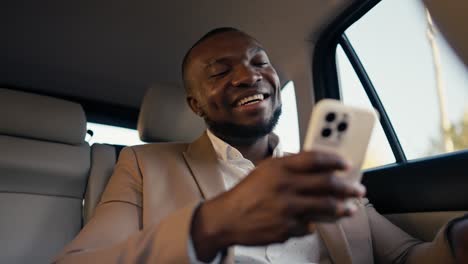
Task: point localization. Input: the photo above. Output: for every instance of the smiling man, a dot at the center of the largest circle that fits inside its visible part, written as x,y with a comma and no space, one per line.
232,195
247,114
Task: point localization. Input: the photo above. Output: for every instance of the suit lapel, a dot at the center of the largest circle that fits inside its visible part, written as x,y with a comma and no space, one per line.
203,163
334,239
358,235
349,240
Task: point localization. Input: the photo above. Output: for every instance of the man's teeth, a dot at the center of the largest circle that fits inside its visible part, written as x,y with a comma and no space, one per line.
250,99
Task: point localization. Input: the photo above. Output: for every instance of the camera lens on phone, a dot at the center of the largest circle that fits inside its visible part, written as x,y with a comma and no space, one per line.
330,117
326,132
342,126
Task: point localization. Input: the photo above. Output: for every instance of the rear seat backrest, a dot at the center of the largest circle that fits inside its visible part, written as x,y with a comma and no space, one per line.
44,164
158,122
103,159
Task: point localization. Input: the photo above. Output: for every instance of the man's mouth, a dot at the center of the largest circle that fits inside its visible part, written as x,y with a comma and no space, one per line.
253,99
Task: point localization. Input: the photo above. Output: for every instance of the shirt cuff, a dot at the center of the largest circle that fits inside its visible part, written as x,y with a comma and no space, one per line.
193,256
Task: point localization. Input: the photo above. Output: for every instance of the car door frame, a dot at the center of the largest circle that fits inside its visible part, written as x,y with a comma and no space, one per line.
407,187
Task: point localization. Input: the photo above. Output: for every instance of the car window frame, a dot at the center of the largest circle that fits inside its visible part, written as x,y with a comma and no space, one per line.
325,70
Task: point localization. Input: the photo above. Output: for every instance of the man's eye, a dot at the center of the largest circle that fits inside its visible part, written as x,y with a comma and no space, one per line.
261,64
219,74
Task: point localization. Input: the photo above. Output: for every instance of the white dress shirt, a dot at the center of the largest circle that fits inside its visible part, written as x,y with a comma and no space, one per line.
234,167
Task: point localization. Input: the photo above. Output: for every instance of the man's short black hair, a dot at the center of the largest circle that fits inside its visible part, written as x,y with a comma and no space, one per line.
210,34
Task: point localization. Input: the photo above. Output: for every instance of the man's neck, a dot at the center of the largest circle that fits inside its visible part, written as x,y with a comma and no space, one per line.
254,150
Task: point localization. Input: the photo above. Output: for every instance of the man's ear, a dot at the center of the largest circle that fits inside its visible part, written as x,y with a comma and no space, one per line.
194,105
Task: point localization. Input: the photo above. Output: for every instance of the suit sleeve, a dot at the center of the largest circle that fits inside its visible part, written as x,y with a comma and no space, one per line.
393,245
115,234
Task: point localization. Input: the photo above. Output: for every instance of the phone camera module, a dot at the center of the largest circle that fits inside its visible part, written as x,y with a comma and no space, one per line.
342,126
330,117
326,132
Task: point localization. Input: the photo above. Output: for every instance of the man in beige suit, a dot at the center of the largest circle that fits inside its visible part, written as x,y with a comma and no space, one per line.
232,194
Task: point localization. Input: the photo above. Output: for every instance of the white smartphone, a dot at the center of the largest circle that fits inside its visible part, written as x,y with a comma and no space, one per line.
343,129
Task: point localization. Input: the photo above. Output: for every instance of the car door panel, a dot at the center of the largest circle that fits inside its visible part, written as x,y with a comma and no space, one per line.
421,196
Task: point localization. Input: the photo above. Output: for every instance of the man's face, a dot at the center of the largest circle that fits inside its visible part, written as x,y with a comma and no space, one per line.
234,86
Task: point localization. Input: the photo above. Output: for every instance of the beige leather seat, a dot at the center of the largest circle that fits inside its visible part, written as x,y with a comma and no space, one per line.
103,159
157,122
165,125
44,166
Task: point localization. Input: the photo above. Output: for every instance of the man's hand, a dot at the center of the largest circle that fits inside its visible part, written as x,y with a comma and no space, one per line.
276,201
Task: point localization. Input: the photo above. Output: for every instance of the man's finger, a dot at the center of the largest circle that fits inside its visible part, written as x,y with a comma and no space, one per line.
326,184
325,208
315,161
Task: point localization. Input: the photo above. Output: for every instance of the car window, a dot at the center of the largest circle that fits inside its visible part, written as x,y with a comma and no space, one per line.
287,128
379,152
112,135
419,79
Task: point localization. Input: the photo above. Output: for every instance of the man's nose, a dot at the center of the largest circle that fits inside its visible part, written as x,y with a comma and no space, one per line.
246,76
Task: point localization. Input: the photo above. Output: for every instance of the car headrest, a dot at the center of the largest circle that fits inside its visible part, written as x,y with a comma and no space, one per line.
165,116
41,117
451,18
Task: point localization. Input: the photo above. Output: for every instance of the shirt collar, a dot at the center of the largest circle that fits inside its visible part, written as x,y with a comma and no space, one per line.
226,152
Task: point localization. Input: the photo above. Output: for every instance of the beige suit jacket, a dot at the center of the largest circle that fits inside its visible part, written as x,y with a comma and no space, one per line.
145,215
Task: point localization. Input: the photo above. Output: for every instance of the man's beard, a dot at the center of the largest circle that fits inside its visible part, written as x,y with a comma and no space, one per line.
228,131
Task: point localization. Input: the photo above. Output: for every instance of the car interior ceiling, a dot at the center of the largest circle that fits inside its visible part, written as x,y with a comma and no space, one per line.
110,53
448,19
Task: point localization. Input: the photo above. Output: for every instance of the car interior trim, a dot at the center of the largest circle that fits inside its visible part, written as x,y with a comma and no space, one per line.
420,185
324,69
